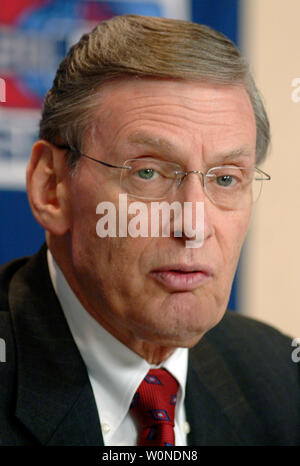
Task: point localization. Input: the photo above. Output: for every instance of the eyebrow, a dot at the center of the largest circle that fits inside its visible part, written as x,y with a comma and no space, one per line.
160,143
242,152
156,142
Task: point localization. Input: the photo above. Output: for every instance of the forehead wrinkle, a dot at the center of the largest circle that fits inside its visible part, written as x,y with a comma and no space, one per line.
141,137
178,99
161,105
197,113
191,103
147,137
196,116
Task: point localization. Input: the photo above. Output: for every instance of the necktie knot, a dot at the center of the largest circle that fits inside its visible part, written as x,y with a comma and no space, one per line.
154,406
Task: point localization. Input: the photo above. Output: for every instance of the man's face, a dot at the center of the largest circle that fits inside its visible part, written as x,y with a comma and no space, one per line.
144,290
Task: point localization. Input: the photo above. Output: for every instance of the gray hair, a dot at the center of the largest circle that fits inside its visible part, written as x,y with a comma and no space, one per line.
141,46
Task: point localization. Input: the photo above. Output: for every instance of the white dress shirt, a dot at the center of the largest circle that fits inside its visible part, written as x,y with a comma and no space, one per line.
115,372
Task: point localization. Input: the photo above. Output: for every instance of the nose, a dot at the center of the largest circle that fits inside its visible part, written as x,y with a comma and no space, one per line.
192,195
191,187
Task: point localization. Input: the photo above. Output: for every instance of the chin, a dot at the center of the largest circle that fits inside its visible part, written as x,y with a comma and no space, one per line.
183,333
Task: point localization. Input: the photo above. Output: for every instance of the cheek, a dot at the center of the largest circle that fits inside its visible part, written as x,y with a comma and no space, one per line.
127,263
109,257
231,235
113,263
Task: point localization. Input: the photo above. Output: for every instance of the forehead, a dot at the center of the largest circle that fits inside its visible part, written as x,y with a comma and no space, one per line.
172,114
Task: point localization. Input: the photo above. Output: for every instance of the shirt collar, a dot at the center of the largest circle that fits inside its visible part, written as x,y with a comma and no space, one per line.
115,371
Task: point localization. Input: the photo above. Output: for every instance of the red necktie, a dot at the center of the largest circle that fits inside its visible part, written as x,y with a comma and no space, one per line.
154,406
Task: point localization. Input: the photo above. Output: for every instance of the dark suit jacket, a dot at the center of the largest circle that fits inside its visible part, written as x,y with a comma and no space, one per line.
242,386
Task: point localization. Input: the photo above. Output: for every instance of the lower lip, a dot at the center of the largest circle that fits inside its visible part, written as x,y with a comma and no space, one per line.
180,281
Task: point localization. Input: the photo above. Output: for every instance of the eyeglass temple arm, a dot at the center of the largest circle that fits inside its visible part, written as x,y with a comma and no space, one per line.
268,177
92,158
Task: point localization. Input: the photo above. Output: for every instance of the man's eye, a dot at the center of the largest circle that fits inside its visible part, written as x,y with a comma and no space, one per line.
226,180
146,173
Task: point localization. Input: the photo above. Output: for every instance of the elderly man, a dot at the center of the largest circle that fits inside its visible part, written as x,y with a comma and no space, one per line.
123,339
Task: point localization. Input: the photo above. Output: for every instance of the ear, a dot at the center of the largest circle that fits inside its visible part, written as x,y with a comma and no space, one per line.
46,179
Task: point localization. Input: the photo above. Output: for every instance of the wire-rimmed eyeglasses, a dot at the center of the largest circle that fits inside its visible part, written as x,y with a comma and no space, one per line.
227,186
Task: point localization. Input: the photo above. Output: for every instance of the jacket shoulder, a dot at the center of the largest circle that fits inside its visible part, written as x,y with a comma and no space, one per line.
238,331
12,433
7,271
258,358
252,347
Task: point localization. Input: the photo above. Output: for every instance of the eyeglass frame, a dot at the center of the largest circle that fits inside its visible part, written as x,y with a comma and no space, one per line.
68,148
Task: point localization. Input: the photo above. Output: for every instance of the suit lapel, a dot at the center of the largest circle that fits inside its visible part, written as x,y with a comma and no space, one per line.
216,408
54,396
